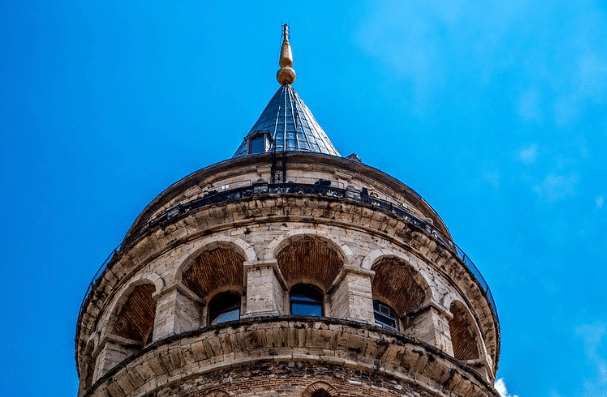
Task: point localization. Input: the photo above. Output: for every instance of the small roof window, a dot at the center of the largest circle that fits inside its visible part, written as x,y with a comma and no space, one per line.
258,143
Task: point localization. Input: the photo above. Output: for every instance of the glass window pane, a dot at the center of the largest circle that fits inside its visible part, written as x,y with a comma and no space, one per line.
224,307
306,301
231,315
385,315
299,309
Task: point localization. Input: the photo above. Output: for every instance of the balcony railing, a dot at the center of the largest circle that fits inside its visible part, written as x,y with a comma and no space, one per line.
262,190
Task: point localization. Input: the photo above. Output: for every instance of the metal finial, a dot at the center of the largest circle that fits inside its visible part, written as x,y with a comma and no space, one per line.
286,75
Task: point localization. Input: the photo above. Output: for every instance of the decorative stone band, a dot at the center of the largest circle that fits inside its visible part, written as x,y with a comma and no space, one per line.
239,345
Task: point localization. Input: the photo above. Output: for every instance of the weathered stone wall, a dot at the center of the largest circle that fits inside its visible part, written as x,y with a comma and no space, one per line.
272,356
293,379
269,244
351,295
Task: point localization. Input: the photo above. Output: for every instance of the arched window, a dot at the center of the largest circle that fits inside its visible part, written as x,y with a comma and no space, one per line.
306,301
320,389
463,334
135,320
385,315
224,307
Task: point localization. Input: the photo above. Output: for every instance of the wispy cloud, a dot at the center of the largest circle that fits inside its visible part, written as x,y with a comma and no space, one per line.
592,336
511,45
500,386
528,154
493,176
556,187
599,202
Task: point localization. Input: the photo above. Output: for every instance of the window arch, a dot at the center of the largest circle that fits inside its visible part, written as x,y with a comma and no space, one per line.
135,320
224,307
311,258
306,300
463,335
397,282
216,267
385,316
320,389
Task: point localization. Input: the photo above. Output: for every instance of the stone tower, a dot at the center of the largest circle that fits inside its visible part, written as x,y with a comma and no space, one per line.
288,270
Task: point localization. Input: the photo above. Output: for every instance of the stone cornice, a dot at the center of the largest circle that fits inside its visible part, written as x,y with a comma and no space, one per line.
241,343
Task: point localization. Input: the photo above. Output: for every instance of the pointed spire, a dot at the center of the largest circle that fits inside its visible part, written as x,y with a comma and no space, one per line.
286,75
286,124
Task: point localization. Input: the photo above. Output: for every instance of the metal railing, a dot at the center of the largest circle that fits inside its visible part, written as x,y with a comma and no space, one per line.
264,189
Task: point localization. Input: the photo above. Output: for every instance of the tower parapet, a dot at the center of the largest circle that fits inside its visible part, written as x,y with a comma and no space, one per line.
302,274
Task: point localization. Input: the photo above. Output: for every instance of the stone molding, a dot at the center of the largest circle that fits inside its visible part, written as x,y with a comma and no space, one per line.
273,263
177,285
277,244
349,269
239,344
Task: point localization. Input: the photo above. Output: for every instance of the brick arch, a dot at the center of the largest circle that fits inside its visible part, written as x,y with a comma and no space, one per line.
464,333
309,259
279,243
236,244
216,266
399,283
135,312
314,388
124,293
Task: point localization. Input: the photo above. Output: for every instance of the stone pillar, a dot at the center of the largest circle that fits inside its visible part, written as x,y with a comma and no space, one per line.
265,289
111,351
351,295
431,325
177,310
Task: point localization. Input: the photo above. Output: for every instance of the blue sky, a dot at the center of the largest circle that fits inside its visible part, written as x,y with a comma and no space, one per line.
495,113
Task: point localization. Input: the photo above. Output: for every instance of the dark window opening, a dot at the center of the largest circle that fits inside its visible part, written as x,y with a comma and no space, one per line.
385,316
306,301
257,144
321,393
224,308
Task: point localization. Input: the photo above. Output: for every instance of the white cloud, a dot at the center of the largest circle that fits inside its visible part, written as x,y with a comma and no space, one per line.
528,154
599,202
557,187
493,177
500,386
551,72
592,336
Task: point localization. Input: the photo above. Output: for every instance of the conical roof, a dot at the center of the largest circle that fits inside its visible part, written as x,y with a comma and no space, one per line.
286,124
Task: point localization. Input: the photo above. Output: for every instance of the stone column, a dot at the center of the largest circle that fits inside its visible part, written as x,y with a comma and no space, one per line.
177,310
431,325
265,289
112,350
351,295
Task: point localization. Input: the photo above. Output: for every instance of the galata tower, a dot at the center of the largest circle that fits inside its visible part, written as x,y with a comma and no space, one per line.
288,270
